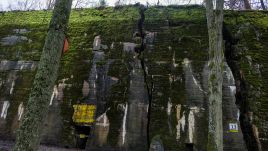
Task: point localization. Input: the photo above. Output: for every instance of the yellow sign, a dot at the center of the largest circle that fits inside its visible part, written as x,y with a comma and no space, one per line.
82,136
84,113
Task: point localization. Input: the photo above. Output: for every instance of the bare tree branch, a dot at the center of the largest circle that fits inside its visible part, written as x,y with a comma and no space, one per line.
50,4
84,3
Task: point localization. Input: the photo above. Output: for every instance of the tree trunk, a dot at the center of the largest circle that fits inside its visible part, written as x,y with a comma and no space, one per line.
29,133
214,24
247,4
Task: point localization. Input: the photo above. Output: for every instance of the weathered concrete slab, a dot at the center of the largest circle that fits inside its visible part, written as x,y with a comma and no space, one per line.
17,65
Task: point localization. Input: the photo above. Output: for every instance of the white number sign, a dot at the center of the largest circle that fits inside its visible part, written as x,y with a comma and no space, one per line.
233,127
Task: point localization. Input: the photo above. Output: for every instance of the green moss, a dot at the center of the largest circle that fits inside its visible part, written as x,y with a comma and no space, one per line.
184,35
252,42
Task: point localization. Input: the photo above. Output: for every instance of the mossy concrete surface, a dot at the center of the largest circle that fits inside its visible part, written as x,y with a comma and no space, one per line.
176,46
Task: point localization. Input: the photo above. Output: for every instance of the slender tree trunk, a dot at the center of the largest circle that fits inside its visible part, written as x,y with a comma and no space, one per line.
214,24
29,133
247,4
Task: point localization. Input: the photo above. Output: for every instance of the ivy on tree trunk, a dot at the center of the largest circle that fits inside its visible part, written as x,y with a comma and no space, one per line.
29,132
214,23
